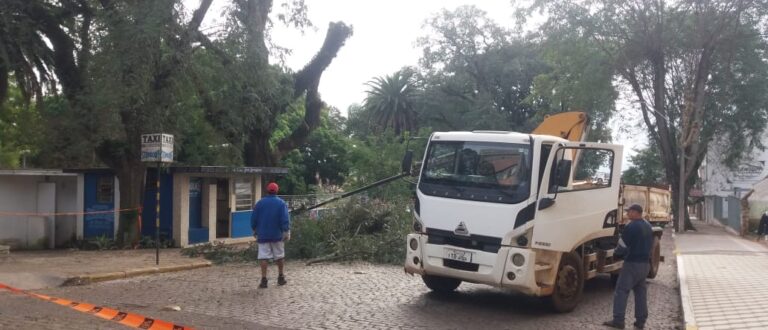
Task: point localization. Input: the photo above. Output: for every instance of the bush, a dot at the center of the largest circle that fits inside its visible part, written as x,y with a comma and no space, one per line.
372,231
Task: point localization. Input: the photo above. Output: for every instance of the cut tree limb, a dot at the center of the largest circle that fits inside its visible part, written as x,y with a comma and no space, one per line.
307,81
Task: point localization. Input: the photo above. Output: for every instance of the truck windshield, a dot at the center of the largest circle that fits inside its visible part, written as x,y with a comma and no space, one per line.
484,171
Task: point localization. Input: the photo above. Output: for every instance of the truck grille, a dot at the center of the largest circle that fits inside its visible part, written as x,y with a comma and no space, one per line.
472,242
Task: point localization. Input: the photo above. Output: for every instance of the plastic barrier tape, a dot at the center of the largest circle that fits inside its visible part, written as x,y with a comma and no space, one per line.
51,214
124,318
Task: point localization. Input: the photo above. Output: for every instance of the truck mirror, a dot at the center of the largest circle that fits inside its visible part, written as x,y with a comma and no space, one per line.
407,162
546,202
563,172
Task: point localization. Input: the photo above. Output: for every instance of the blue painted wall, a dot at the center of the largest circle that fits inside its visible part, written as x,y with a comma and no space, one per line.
103,224
241,224
166,205
197,233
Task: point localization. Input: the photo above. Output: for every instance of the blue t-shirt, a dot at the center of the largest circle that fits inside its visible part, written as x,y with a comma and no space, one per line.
270,219
636,242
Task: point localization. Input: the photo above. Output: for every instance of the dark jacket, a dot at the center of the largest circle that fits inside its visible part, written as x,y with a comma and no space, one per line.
762,228
636,242
270,219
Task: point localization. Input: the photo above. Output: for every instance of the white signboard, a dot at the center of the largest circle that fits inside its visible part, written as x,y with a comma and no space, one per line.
157,148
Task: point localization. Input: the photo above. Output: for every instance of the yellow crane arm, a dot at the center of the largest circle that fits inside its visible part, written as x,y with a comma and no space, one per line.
571,126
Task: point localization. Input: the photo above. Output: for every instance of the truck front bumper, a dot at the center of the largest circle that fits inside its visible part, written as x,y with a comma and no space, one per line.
494,269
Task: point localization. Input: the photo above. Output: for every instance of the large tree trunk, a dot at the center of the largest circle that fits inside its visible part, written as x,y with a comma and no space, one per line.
258,151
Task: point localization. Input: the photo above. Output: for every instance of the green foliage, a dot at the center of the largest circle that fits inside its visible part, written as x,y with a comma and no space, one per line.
647,168
371,231
391,101
20,129
323,160
476,74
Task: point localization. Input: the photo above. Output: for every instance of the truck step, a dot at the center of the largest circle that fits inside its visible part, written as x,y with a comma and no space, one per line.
542,267
590,274
546,290
611,267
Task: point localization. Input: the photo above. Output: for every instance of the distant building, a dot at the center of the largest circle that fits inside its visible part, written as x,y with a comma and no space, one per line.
51,208
723,187
44,208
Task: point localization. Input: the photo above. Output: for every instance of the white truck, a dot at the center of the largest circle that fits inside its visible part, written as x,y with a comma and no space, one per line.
518,211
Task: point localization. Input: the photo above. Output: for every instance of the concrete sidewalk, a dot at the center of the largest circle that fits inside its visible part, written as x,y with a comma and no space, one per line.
29,270
722,279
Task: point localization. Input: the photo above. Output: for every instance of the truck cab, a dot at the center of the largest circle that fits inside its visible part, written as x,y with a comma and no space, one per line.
517,211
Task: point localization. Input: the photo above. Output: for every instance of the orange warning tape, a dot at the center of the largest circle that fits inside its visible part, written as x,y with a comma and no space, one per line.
44,214
124,318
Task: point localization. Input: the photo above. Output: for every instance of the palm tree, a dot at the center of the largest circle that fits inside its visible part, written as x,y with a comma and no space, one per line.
391,102
36,46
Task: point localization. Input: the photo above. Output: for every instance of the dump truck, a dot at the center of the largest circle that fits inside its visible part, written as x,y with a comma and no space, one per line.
519,211
656,203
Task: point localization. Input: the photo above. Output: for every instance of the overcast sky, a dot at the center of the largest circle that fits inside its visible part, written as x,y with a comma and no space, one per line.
383,42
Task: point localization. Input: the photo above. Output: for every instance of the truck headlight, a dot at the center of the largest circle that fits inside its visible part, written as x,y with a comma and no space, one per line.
414,244
522,240
416,226
518,259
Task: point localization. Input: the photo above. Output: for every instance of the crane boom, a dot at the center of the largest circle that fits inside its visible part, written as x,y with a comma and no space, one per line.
571,126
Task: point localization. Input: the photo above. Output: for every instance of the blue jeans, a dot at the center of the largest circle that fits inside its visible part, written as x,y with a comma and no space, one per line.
631,278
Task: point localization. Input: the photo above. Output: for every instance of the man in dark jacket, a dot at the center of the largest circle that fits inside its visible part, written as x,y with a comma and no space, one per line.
635,247
762,228
271,226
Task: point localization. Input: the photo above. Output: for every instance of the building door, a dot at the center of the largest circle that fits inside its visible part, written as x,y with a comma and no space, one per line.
99,219
223,211
197,233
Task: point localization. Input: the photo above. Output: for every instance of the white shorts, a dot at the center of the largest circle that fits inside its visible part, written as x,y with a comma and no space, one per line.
272,250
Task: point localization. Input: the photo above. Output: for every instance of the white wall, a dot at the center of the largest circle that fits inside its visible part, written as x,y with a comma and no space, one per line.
18,194
66,201
719,180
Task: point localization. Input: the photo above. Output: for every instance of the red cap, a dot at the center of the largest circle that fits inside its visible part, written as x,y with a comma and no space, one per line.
272,188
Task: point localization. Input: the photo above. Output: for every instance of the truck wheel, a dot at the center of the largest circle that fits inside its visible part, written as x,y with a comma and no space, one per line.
440,284
655,258
569,283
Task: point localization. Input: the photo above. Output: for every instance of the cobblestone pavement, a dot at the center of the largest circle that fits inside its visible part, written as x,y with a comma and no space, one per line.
339,296
724,278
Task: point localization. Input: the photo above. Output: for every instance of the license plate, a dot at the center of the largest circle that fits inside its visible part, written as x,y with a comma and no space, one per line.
458,255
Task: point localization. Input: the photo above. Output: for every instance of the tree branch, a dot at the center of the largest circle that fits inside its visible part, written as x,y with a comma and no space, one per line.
307,81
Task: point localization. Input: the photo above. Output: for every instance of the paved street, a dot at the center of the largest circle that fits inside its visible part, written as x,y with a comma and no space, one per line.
723,280
338,296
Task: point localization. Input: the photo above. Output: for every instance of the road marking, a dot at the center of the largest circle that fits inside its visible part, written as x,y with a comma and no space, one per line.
124,318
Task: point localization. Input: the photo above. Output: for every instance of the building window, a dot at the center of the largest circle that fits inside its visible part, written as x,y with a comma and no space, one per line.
243,194
105,190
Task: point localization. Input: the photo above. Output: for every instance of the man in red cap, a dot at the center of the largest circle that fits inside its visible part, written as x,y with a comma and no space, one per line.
271,226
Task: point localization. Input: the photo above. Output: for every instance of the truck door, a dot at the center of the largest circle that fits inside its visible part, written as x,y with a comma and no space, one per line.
576,202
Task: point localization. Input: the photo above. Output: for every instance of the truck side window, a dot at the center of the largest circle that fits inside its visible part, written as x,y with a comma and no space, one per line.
593,169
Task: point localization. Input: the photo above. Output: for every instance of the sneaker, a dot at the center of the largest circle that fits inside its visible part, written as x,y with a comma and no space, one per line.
281,280
614,325
639,325
263,284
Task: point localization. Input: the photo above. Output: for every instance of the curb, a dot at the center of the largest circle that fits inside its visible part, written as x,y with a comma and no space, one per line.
111,276
685,295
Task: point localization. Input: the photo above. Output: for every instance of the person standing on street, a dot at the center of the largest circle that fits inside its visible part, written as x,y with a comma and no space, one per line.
635,246
762,228
271,226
